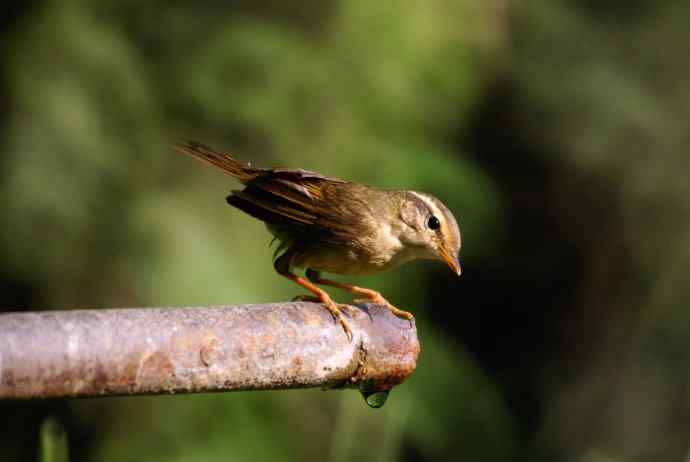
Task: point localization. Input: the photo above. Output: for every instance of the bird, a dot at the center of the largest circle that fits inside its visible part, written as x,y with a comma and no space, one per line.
330,225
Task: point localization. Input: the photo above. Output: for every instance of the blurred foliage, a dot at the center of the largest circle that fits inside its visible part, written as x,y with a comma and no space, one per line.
99,211
612,99
53,442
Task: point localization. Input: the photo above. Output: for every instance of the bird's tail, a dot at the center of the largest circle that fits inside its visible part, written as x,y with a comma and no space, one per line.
222,160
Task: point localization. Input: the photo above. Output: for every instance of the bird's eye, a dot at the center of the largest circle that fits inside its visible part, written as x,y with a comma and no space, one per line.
433,223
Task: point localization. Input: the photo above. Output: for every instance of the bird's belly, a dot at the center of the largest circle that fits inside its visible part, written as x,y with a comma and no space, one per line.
348,261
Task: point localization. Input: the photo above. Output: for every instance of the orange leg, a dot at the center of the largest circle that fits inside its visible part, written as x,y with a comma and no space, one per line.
321,296
368,295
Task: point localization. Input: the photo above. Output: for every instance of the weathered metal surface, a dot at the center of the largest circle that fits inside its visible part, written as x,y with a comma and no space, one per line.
200,349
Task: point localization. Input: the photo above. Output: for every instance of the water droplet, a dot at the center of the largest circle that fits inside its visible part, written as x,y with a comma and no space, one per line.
376,399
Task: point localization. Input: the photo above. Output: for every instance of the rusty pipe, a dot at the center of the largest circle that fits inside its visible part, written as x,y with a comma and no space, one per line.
137,351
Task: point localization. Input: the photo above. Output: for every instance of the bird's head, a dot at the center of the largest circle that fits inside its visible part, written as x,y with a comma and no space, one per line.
430,228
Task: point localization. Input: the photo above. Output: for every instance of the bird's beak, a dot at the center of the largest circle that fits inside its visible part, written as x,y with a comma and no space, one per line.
451,260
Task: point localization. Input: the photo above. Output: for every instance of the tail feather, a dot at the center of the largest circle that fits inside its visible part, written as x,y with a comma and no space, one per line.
222,160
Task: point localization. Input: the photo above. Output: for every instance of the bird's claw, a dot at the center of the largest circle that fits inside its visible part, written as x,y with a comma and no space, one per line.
349,309
335,310
346,328
379,300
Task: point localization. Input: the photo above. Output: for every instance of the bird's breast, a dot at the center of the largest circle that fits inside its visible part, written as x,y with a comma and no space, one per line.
374,253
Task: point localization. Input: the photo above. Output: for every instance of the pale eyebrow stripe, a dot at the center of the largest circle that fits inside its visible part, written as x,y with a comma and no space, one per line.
429,203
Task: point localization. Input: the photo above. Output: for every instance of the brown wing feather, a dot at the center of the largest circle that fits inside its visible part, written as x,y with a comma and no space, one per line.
297,202
269,211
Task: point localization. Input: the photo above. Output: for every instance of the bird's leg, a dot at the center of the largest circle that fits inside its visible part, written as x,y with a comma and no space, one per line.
368,295
322,297
283,268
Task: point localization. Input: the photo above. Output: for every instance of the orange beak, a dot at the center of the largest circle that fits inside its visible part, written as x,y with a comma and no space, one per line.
451,260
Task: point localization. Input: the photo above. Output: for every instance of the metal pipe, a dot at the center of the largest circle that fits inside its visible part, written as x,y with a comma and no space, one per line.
108,352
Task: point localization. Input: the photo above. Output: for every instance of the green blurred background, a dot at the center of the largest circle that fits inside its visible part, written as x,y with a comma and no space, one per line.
557,131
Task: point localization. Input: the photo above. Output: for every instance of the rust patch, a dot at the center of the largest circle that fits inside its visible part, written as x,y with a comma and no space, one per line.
210,351
297,364
100,380
7,378
156,369
129,373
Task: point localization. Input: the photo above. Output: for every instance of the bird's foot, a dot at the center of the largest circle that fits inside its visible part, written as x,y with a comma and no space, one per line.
335,310
377,299
349,309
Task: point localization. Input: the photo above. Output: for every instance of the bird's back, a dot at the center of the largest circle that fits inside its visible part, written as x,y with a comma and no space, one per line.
294,202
